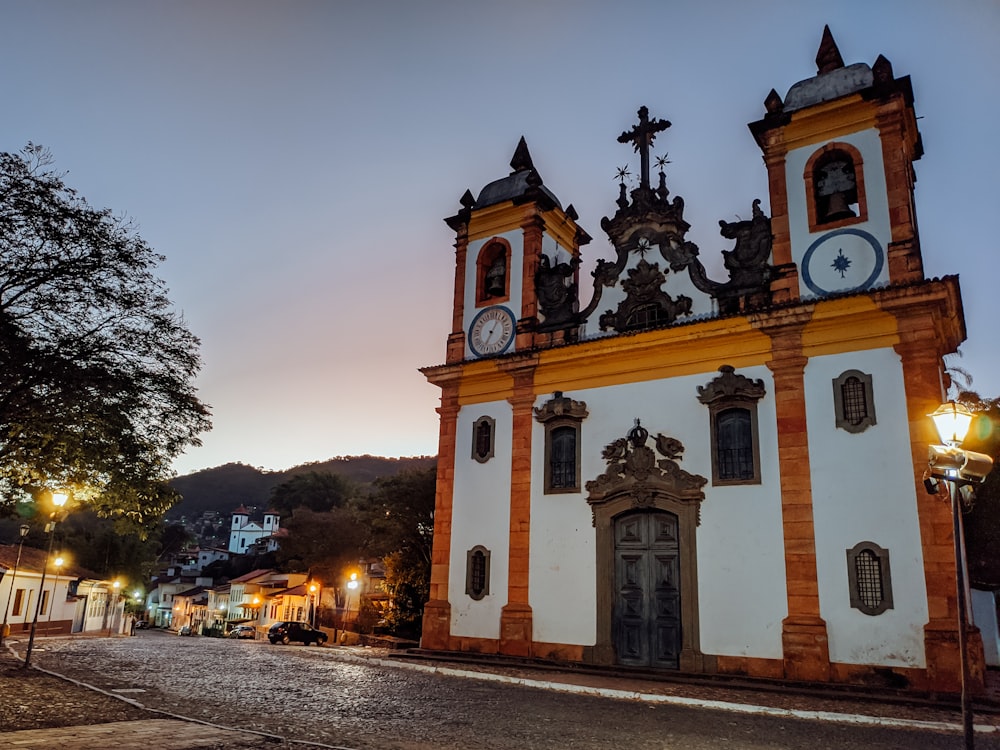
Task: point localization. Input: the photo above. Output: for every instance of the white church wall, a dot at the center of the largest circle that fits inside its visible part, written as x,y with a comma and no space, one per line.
480,516
862,491
870,145
740,547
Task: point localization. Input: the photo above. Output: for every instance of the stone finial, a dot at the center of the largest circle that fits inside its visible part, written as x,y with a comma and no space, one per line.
773,103
828,58
467,200
521,160
882,70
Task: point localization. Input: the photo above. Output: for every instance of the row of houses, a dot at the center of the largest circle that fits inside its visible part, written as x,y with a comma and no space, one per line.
70,599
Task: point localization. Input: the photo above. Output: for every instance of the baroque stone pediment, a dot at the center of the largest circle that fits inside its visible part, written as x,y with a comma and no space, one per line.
634,469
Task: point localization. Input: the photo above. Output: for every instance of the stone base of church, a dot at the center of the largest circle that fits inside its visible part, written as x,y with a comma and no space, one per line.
515,630
944,667
806,649
436,628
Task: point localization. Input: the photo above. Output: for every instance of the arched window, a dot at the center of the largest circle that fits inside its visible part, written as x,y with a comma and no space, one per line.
493,272
853,401
734,445
563,418
835,187
477,572
482,439
732,406
869,579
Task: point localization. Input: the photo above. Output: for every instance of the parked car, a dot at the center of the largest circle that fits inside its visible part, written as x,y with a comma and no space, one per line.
141,624
185,630
243,631
303,632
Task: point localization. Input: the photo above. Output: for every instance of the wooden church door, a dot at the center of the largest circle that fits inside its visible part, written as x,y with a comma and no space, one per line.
647,608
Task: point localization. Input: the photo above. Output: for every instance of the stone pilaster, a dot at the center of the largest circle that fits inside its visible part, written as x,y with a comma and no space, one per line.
516,616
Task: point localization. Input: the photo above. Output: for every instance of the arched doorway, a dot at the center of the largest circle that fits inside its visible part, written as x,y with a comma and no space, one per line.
647,606
646,514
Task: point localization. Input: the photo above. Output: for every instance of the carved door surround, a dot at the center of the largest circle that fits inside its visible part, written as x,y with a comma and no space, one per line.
636,479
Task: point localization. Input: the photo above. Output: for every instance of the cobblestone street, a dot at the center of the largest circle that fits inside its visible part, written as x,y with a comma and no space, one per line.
320,696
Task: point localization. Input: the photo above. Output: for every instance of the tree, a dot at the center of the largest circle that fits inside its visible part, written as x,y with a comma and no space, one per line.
317,491
96,369
401,531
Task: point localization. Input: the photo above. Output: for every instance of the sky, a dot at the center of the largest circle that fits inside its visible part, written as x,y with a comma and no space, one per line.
294,162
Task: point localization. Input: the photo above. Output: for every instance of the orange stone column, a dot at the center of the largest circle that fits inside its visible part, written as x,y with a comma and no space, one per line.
456,339
516,616
785,284
803,631
922,377
436,632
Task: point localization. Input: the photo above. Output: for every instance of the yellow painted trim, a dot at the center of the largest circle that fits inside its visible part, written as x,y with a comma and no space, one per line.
829,121
847,325
506,217
836,327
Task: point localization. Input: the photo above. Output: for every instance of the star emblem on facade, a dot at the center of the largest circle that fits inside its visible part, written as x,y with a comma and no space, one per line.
643,247
841,263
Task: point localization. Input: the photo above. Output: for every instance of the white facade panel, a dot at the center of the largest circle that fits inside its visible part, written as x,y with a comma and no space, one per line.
863,491
480,516
844,258
739,573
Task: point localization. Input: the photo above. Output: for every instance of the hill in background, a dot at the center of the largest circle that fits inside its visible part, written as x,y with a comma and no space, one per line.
224,488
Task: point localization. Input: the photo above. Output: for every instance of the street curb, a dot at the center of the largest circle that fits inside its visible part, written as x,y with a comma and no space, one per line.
632,695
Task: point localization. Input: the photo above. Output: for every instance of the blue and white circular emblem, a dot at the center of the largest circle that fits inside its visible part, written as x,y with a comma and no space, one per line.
844,260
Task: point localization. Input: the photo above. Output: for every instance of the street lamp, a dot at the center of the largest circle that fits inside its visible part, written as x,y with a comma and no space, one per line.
222,619
312,604
58,501
959,469
17,561
352,584
55,584
114,601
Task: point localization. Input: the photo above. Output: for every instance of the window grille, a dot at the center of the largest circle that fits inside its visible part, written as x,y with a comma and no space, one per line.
477,572
869,578
855,408
734,445
483,438
563,457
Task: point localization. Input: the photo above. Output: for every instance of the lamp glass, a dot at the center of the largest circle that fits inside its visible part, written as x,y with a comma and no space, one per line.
59,499
952,422
24,530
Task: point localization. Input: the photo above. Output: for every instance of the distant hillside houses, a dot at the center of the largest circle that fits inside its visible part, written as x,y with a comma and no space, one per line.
246,535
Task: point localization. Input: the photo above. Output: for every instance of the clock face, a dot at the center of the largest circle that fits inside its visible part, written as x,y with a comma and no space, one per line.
844,260
492,331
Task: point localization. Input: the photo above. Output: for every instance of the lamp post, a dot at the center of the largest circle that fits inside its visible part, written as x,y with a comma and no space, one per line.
352,585
52,604
222,619
114,603
312,604
958,468
58,500
23,531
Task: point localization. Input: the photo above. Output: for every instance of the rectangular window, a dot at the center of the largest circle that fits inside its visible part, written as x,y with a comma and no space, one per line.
18,602
45,602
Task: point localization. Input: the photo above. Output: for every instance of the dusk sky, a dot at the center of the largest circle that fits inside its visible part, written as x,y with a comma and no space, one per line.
294,161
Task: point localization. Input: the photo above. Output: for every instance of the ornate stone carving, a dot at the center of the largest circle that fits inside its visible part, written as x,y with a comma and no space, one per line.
561,406
634,470
646,304
729,385
556,293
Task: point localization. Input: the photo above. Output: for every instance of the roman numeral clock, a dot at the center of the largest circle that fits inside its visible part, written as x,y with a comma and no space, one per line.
491,331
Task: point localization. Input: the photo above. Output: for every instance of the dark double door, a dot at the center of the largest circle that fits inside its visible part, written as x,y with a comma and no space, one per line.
647,606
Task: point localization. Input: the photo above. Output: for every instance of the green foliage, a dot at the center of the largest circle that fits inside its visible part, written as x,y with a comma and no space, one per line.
317,491
324,543
96,389
408,585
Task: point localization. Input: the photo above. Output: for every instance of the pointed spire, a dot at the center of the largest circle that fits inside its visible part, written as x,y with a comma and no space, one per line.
467,200
882,70
773,103
522,158
828,58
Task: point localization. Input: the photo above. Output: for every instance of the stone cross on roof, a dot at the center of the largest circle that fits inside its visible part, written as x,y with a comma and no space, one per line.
641,136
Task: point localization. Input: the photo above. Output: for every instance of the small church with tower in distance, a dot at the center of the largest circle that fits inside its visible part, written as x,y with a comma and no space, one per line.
660,469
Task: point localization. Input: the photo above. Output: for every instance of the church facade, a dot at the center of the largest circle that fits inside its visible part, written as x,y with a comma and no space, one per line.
698,474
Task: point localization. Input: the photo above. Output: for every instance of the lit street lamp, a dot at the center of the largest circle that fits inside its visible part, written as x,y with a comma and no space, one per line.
52,603
58,501
351,586
312,603
17,561
959,469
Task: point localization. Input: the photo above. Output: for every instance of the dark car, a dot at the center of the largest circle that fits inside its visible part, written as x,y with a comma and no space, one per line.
303,632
